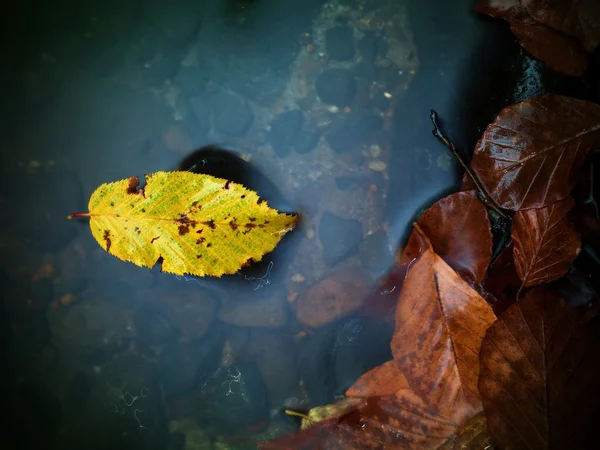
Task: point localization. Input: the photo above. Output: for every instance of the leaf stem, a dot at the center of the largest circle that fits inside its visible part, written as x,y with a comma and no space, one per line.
75,215
483,193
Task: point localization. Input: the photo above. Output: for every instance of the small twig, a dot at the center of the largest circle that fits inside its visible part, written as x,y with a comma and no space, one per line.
483,193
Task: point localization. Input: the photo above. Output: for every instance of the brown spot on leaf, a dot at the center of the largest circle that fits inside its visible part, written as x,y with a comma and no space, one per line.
153,239
137,230
227,184
198,256
200,241
208,245
250,226
242,196
200,231
133,183
211,224
252,219
143,210
107,239
233,225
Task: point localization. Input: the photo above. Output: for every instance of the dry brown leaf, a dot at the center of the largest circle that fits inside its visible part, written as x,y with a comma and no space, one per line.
539,375
529,156
545,243
451,224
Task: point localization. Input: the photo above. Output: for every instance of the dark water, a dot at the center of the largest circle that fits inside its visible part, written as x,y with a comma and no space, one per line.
325,106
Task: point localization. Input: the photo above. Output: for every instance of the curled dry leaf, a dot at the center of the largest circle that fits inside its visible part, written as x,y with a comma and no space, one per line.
545,243
563,34
459,230
528,157
539,375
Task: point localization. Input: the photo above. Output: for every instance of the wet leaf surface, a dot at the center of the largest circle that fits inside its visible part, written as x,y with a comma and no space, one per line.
545,243
448,225
528,157
197,224
539,375
563,34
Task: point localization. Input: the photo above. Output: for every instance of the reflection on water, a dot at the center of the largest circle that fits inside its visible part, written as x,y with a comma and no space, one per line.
315,99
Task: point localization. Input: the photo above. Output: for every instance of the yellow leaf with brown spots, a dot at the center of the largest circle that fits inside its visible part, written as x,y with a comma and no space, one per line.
197,224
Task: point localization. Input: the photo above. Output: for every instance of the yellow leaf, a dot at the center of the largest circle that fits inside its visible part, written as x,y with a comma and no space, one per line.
198,224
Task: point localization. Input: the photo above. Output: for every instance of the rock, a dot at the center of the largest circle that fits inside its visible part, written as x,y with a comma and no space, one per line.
233,400
338,295
283,132
344,183
49,196
340,43
306,141
182,365
123,396
161,69
275,356
178,20
192,310
336,87
30,333
231,114
153,325
353,131
339,237
266,309
201,109
368,46
335,356
191,80
71,264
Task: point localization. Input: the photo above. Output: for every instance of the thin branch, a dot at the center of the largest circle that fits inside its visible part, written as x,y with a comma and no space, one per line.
483,193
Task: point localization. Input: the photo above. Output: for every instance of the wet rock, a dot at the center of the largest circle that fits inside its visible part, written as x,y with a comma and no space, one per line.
31,333
191,80
381,101
258,81
201,109
336,87
275,356
124,398
87,327
353,131
368,46
79,389
43,360
339,43
338,295
250,308
153,325
306,141
339,237
283,132
192,310
178,20
159,70
233,400
49,197
335,356
182,365
71,264
344,183
232,116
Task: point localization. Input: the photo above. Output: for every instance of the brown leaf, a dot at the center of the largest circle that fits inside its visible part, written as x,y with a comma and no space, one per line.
561,33
501,283
560,52
440,321
528,157
545,243
459,230
539,375
580,19
386,379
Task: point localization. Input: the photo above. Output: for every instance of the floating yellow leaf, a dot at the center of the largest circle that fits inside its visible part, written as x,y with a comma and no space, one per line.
197,224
